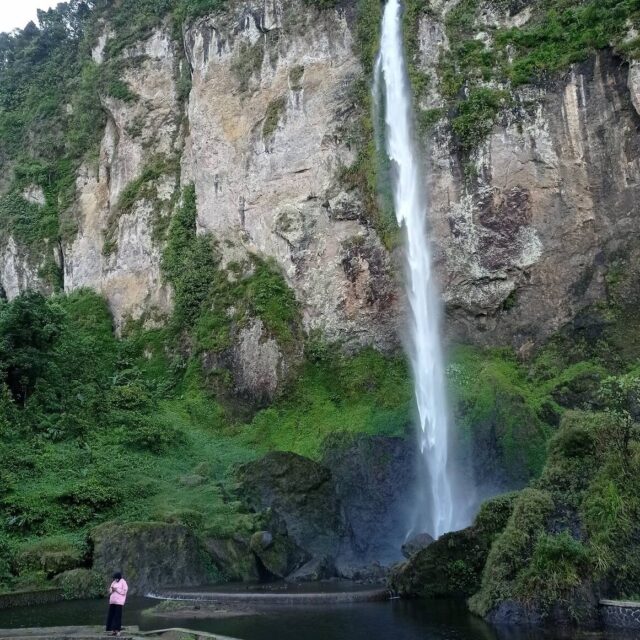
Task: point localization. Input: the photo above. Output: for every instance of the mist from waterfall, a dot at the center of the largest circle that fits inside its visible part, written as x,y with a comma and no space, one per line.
436,512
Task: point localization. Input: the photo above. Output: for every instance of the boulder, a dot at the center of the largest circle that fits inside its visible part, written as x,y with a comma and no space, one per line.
371,573
416,543
152,555
299,493
277,556
233,557
261,541
452,565
316,569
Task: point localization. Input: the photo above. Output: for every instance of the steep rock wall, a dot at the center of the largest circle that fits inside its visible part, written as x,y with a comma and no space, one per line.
270,97
524,233
526,230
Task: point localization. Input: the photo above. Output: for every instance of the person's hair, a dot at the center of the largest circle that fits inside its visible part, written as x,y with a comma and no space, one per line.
117,575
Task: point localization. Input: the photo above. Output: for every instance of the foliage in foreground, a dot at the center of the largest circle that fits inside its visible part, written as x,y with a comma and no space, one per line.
573,536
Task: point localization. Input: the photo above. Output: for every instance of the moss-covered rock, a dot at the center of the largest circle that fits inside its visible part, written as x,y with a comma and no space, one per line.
233,557
452,565
277,555
50,556
573,536
298,492
152,555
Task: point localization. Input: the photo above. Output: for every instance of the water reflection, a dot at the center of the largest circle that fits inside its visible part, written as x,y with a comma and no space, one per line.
395,620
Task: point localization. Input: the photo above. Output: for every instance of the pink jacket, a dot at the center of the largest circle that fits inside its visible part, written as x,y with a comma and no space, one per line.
119,590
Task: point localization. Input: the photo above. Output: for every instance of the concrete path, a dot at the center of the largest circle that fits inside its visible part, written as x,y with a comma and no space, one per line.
98,633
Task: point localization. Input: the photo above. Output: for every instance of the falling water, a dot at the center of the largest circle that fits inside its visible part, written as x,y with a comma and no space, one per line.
422,292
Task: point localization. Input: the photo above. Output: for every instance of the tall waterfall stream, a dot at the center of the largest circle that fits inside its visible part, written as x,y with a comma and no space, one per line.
438,514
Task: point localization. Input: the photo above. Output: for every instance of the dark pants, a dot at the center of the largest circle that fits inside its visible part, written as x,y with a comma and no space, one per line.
114,617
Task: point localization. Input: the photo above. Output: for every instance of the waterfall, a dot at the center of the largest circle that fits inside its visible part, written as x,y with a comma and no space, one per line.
392,83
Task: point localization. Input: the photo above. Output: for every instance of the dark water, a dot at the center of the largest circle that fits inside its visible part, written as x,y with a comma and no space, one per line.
394,620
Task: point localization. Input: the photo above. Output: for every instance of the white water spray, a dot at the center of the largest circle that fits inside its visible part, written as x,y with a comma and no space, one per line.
422,292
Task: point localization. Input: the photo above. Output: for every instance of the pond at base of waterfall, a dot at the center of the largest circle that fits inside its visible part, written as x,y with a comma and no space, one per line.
390,620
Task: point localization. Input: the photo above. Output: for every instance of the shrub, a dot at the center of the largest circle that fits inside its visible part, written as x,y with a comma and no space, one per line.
512,549
150,434
81,584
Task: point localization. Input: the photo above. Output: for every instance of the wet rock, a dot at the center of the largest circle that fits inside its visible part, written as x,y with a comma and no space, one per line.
280,558
371,573
416,543
316,569
452,565
374,479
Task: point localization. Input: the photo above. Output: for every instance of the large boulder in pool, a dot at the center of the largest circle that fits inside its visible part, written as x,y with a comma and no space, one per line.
452,565
152,555
300,496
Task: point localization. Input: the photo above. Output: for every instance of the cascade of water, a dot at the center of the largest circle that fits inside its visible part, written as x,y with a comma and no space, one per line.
422,292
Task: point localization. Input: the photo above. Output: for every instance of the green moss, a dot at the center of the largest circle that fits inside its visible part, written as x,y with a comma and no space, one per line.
366,393
573,534
275,110
476,116
247,62
498,409
295,77
452,565
512,550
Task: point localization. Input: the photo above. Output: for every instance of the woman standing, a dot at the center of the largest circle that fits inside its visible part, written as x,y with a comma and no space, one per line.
117,597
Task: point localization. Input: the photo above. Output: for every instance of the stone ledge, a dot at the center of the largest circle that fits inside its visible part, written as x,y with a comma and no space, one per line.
621,614
620,603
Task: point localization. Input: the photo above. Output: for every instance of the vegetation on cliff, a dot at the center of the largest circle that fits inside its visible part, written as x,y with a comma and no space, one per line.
95,428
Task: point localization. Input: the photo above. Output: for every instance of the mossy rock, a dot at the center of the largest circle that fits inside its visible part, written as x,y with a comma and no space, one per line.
452,565
301,494
233,558
153,555
572,537
49,556
280,558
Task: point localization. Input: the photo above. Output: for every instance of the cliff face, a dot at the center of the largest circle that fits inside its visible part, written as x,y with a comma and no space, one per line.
526,242
525,229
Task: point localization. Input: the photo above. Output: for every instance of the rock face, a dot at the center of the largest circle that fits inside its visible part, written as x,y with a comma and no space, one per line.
114,251
299,491
525,245
374,479
270,97
522,245
151,555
